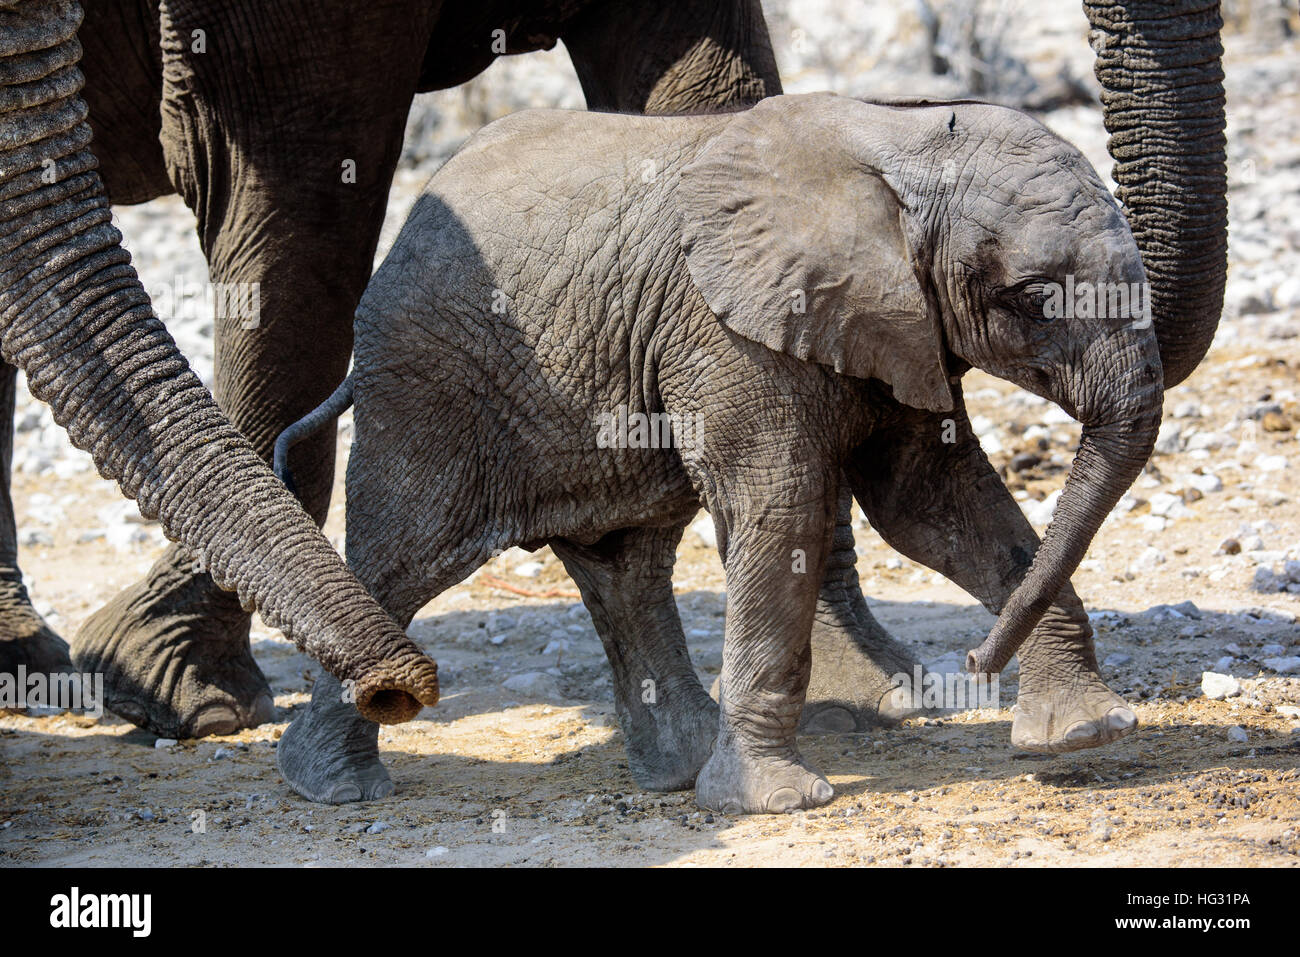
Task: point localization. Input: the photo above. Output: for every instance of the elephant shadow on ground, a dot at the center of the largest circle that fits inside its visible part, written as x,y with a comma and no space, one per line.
537,773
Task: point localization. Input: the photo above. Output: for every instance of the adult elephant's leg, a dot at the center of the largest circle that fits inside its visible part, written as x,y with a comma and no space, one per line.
855,661
672,57
25,638
943,505
668,721
282,138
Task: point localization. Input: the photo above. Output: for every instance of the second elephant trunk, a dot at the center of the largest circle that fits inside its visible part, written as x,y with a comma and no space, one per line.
1159,63
75,318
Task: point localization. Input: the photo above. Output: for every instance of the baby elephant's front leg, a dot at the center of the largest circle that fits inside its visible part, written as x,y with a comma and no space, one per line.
774,561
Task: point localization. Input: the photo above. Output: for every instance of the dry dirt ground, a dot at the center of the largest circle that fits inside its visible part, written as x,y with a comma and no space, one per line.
495,776
534,772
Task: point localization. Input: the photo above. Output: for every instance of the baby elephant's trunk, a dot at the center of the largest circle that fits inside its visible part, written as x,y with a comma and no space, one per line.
311,423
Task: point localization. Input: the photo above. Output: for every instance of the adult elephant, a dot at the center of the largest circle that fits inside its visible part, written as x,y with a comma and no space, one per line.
75,318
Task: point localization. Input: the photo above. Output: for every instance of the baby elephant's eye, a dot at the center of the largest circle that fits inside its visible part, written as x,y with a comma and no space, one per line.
1036,301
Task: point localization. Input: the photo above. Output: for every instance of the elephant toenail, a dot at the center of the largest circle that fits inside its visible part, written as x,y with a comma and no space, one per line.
344,793
1080,731
128,710
784,799
382,790
214,719
1121,719
896,705
822,791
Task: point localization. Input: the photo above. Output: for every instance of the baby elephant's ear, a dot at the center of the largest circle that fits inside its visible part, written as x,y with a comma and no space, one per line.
796,242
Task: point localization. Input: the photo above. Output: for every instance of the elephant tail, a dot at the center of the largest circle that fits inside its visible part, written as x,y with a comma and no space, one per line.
311,423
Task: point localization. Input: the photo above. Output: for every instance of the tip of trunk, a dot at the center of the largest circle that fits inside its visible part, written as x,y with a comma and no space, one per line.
396,691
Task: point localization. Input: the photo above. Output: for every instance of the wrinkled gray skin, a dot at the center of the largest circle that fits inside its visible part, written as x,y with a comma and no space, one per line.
75,318
810,277
236,130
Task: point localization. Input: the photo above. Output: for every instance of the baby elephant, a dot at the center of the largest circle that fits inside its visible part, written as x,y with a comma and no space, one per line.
591,324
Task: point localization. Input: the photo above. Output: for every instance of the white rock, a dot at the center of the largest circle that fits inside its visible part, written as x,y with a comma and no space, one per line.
1217,686
705,531
1168,505
991,444
1265,582
1237,734
1209,441
1040,513
1271,463
1288,711
378,828
1287,293
1207,483
528,569
1289,665
1170,438
165,743
436,851
534,684
1224,663
1272,651
1149,559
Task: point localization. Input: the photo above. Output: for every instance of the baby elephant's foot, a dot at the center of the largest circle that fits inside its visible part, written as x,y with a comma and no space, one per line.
1060,713
669,742
330,755
735,781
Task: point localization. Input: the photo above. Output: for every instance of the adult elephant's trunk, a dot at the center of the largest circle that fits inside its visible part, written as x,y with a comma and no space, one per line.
74,316
1119,431
1159,63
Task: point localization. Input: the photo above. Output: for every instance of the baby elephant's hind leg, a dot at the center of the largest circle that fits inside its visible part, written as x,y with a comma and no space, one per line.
668,720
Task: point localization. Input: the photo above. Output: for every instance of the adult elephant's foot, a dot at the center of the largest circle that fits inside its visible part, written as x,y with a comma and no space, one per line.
174,653
25,638
330,754
748,780
1063,704
669,741
862,677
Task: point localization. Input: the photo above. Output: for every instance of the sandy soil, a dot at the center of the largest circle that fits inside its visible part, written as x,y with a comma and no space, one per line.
538,776
493,776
